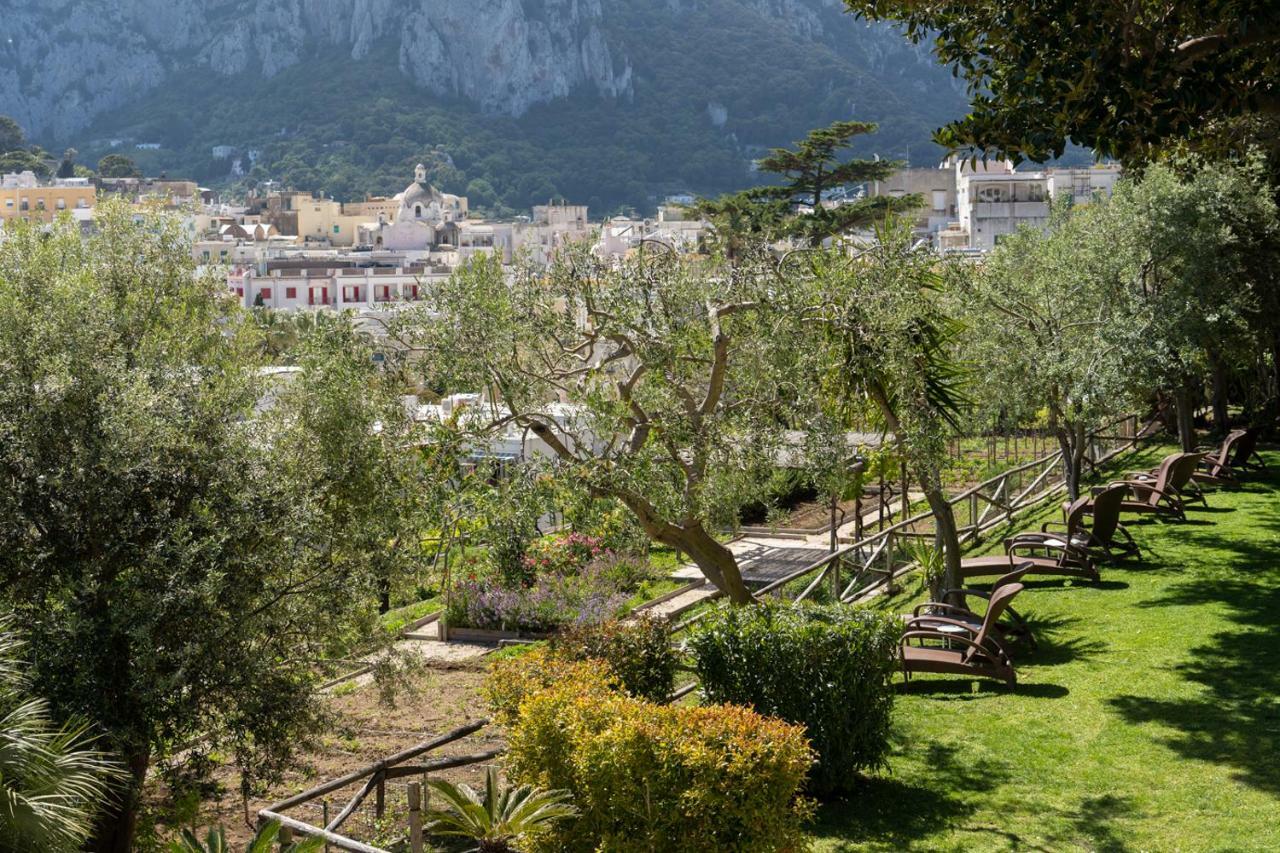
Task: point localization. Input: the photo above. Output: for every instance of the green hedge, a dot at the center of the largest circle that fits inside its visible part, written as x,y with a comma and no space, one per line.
648,777
825,667
638,653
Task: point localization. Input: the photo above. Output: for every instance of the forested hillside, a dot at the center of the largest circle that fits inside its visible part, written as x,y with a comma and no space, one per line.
710,84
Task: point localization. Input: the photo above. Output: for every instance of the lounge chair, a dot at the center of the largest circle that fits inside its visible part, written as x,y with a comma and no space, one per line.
1069,562
1163,491
965,651
1104,539
1246,456
1233,457
954,607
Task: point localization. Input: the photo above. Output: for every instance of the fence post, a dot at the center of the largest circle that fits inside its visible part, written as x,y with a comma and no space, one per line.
380,800
888,562
906,503
285,837
324,816
415,817
973,516
835,578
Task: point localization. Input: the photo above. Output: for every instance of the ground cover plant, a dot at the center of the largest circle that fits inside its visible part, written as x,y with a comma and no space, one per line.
561,580
1145,720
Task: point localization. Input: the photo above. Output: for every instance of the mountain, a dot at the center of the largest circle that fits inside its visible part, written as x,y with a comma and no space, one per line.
607,102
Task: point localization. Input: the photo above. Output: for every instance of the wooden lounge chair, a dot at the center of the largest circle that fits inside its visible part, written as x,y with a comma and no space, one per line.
1164,491
1068,562
1246,456
1103,539
1233,457
954,606
965,651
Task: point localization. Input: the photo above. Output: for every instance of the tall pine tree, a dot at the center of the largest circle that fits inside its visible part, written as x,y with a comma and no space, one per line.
800,206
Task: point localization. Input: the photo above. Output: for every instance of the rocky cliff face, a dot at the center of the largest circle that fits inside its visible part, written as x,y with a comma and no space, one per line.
65,62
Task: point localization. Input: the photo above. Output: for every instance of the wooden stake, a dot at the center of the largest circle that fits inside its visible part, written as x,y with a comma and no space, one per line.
415,817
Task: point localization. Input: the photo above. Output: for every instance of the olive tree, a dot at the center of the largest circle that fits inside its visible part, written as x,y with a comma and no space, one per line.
1050,327
160,544
891,350
653,380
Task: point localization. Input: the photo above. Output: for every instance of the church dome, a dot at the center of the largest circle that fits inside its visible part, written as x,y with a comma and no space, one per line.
419,195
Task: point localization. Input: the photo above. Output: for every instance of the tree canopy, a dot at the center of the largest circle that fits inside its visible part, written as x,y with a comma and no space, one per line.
1050,323
1125,79
659,382
165,540
800,205
11,136
118,166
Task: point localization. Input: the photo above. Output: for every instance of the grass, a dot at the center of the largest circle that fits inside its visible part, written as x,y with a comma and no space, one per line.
1148,719
395,620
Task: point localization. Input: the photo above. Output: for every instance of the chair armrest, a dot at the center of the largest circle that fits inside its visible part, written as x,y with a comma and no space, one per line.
952,608
923,634
964,590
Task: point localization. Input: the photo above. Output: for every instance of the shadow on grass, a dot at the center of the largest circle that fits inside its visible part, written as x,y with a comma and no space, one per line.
1234,719
1058,641
964,689
892,814
1095,819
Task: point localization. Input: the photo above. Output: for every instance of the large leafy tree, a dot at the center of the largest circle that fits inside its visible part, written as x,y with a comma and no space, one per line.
655,382
159,540
799,205
1126,79
1048,320
1203,241
118,166
52,779
352,445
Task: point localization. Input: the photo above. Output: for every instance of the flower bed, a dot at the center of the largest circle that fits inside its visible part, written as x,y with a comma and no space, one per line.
569,581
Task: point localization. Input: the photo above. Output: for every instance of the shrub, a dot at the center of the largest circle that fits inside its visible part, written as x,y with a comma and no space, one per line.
512,680
563,555
638,653
827,668
650,777
624,572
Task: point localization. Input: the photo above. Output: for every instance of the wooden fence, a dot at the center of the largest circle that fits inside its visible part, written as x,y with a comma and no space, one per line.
870,564
374,779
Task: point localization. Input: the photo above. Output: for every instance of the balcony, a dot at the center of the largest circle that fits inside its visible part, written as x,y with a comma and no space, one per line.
1011,210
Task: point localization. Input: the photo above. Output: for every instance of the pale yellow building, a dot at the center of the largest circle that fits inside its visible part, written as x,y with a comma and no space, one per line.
27,199
323,219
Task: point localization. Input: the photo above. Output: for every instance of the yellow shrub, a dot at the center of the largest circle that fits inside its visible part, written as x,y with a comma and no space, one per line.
651,777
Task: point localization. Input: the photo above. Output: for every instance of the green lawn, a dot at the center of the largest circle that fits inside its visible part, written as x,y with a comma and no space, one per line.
1148,719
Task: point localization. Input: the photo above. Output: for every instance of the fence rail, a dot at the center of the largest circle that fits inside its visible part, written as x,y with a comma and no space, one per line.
875,560
375,778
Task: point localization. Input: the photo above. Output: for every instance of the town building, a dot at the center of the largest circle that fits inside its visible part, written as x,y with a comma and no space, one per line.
24,196
970,206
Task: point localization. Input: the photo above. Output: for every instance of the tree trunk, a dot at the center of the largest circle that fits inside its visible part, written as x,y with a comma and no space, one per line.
1218,394
384,595
946,534
118,820
1184,406
835,508
1072,454
716,561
